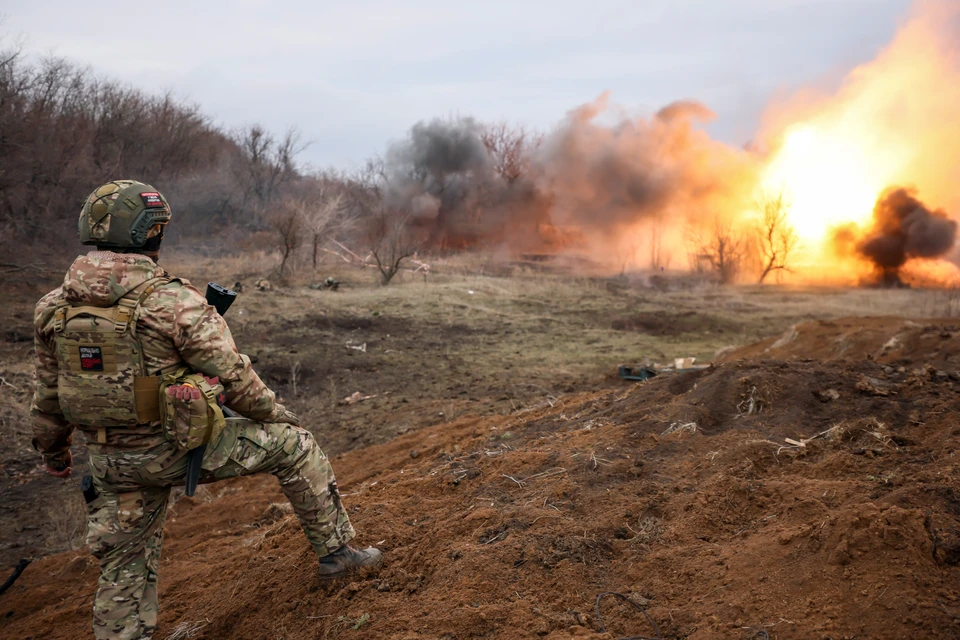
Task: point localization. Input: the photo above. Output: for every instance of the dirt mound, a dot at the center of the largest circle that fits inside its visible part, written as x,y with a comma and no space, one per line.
805,499
892,341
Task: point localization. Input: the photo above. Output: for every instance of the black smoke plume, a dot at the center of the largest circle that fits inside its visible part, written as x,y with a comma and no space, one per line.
436,175
905,229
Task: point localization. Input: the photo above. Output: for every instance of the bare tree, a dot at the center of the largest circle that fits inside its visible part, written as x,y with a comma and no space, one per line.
63,131
391,240
509,148
776,237
268,163
720,249
324,217
288,220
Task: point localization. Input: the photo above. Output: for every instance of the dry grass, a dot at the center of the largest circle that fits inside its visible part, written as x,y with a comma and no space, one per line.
66,523
186,630
562,320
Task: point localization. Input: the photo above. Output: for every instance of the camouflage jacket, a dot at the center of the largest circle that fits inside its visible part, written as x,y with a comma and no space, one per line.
174,324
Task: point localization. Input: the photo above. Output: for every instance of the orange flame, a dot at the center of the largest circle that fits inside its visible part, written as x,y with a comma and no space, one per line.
894,121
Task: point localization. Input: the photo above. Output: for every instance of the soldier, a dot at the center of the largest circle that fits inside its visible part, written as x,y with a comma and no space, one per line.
115,336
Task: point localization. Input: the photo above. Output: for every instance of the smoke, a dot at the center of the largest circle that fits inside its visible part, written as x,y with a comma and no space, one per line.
605,178
618,188
905,229
585,182
436,172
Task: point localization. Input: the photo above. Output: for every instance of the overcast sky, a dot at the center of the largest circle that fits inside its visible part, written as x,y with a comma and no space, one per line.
353,75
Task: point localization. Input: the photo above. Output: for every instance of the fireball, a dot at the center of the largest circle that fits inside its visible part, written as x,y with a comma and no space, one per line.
831,177
892,123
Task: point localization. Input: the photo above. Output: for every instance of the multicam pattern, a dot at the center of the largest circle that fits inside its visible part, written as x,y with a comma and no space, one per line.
104,220
134,470
175,325
125,532
96,210
125,528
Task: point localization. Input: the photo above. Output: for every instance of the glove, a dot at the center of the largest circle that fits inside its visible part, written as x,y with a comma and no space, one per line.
59,465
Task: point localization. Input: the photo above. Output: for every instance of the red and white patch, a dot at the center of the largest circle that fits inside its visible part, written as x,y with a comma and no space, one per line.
152,200
91,358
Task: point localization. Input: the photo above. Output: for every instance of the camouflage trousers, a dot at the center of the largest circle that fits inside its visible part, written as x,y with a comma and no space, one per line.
125,521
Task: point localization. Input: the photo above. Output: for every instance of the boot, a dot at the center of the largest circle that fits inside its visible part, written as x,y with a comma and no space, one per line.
347,559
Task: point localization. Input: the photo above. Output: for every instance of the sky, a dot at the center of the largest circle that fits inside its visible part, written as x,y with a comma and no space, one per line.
354,75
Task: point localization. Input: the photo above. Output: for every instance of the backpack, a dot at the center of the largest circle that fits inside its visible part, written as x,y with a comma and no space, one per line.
102,379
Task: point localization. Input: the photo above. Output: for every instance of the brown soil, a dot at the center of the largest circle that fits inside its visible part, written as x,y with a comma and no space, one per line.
804,498
892,341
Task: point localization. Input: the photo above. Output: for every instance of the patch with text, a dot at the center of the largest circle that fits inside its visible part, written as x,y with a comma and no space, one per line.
91,358
152,200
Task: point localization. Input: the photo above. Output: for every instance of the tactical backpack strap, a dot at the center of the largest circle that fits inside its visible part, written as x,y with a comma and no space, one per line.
60,315
128,304
146,389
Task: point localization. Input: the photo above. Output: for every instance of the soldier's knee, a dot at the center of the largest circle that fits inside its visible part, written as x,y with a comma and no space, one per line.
298,441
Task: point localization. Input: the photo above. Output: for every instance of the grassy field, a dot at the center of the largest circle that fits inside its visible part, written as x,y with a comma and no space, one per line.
472,338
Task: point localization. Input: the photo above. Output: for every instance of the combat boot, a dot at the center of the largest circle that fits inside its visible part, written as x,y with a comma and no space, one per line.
347,559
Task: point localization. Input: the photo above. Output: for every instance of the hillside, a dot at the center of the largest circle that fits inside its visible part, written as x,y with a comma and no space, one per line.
804,498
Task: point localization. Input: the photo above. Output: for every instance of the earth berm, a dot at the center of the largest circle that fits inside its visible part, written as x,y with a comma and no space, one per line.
805,498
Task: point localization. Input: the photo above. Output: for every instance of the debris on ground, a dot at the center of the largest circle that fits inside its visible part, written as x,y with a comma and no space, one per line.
356,397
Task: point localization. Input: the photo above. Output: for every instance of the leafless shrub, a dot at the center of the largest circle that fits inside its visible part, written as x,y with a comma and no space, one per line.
289,222
391,240
776,238
720,249
509,148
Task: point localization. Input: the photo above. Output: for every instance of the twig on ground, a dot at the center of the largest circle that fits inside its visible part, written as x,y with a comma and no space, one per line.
496,537
519,483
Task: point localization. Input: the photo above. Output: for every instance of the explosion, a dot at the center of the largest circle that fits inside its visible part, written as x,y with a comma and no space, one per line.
839,160
903,229
849,170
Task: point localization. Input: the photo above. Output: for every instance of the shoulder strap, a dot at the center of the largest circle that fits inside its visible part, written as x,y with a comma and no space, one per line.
121,314
127,305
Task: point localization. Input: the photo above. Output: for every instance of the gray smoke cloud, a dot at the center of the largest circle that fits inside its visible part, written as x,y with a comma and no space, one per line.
602,176
585,174
437,172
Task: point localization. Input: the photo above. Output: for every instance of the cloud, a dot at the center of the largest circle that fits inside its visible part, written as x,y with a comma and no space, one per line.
318,65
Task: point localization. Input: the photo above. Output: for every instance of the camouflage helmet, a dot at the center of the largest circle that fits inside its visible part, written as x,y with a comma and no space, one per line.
122,214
